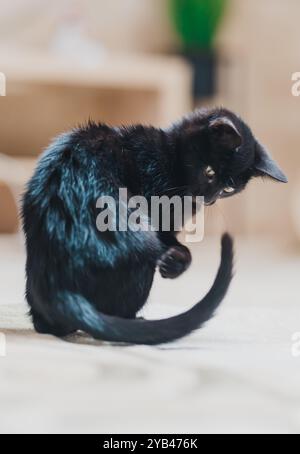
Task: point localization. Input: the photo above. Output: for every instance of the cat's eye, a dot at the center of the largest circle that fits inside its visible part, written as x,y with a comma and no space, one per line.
209,172
229,190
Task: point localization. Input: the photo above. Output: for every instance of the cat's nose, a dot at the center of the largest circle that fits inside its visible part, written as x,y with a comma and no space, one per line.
208,201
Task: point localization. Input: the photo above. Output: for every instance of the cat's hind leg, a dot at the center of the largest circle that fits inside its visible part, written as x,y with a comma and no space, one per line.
43,327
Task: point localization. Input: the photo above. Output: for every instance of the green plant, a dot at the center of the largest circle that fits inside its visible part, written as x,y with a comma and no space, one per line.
197,21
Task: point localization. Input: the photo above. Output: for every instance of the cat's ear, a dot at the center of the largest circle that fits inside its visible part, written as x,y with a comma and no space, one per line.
225,133
266,165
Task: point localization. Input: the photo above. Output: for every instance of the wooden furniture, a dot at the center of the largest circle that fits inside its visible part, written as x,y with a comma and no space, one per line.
46,95
14,174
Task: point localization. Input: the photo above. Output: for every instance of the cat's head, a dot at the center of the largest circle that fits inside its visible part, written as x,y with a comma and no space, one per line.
220,155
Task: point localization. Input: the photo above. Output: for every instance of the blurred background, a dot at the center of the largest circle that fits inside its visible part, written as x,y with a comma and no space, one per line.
151,61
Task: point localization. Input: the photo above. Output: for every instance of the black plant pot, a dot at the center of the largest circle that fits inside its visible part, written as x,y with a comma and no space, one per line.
204,64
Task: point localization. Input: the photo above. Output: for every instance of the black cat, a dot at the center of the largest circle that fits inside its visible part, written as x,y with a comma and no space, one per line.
81,279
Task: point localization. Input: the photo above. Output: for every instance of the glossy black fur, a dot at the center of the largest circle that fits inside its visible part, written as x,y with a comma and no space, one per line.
81,279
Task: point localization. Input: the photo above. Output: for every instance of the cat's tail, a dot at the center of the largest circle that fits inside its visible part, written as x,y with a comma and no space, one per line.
103,327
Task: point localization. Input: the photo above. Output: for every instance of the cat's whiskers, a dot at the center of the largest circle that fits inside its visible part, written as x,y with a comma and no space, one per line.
179,190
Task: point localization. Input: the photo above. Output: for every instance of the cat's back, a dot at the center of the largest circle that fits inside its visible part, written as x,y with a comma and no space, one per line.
78,153
81,146
75,165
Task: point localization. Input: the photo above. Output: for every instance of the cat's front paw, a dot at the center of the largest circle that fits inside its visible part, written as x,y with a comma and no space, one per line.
174,262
